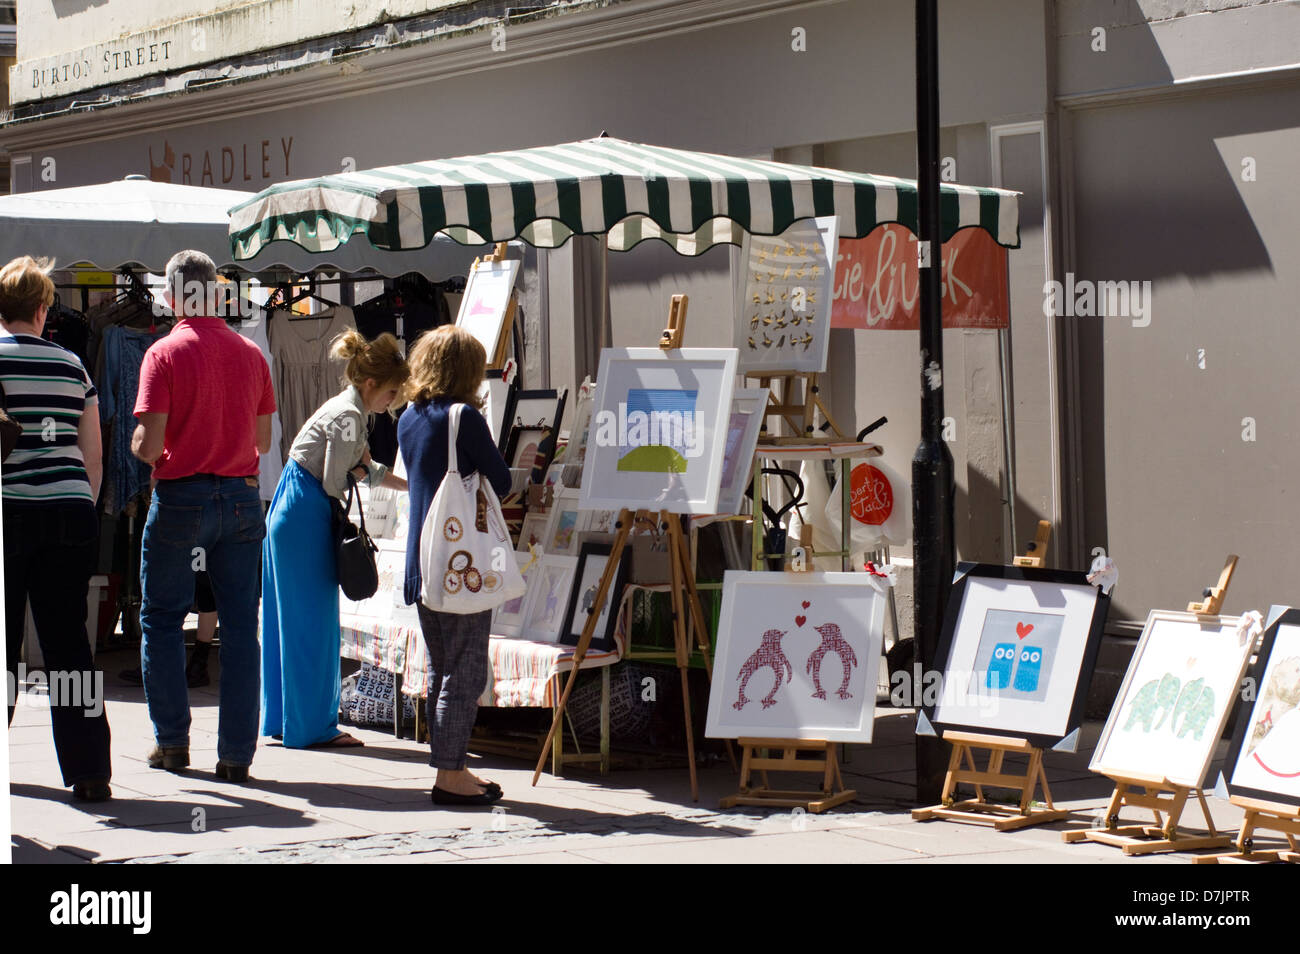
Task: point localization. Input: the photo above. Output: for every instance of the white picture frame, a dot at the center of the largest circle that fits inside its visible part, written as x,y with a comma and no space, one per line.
797,622
486,310
533,530
551,583
508,618
565,525
744,424
657,419
783,298
1017,651
1152,730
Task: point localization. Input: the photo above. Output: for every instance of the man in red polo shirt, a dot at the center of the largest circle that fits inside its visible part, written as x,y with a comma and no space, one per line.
204,410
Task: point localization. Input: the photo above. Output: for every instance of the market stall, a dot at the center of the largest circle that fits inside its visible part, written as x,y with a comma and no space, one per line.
626,192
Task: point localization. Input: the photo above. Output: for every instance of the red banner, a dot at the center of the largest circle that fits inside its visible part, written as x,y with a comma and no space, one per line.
876,281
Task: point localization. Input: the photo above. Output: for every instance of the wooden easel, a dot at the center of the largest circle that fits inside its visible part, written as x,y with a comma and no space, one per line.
1261,815
978,810
1036,551
797,413
827,766
498,360
1158,793
753,759
685,596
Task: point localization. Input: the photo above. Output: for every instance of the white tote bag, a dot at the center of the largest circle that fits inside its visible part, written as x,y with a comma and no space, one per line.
467,564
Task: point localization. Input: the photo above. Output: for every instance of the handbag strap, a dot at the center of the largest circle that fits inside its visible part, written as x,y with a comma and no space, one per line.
347,506
453,428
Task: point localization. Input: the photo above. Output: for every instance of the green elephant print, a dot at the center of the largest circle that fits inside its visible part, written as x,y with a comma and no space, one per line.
1194,708
1158,696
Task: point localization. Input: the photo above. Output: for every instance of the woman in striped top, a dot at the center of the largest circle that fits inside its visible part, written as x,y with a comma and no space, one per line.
48,487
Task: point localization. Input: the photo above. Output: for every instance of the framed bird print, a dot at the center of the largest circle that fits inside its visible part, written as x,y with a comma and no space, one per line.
1176,698
1016,652
783,297
798,657
1264,760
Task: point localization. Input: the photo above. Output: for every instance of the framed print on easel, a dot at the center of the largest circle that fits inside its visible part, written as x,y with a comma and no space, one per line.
1017,651
1264,760
798,657
783,298
1175,698
487,309
658,422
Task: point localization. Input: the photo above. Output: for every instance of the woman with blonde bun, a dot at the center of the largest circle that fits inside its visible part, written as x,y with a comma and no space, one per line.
300,592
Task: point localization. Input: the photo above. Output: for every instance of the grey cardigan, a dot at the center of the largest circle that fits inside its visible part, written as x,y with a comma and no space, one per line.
332,441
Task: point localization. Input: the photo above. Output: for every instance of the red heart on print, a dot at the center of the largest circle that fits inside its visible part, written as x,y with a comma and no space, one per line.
1024,629
800,620
806,604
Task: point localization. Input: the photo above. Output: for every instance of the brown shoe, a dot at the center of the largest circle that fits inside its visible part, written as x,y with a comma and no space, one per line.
173,758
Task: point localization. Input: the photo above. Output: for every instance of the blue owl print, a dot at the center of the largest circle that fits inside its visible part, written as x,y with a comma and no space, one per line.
1031,664
999,674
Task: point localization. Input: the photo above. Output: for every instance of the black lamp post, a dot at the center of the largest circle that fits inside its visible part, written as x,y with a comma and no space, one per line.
932,467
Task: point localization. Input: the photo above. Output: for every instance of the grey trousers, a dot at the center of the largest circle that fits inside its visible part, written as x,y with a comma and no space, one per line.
458,673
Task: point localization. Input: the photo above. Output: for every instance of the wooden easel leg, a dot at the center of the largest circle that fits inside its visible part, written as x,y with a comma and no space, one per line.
553,740
679,573
1205,810
950,780
1031,780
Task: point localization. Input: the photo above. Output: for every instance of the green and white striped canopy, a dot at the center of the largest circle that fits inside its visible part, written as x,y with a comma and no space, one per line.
604,186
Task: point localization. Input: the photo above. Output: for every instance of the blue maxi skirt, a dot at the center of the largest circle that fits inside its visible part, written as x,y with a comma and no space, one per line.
300,614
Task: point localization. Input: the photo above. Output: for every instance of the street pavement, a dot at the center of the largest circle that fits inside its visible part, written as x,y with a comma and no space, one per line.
371,804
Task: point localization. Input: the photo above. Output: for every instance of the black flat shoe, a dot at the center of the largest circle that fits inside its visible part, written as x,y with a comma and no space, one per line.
443,797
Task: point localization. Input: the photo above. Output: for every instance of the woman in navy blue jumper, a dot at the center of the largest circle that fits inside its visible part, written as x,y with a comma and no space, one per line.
447,367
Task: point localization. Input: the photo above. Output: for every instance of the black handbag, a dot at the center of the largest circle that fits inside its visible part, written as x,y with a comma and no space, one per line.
10,429
358,575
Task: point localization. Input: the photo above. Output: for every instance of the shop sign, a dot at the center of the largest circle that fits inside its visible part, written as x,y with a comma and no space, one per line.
876,281
235,164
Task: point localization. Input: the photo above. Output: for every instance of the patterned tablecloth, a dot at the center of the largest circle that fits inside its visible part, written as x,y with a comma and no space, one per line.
388,636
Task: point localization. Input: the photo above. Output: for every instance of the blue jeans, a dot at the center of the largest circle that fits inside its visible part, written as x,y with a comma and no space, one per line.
212,523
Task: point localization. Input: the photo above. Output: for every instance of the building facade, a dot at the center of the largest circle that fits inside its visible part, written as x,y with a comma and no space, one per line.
1154,142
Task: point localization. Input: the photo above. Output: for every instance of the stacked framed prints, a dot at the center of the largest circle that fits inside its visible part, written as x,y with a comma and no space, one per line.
1017,651
531,438
798,657
498,405
548,597
591,566
657,435
487,308
743,427
508,618
783,298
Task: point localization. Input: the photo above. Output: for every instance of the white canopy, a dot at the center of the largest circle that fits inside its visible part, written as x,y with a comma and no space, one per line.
138,222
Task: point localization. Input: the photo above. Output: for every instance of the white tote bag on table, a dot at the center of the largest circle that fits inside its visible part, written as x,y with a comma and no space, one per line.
467,564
